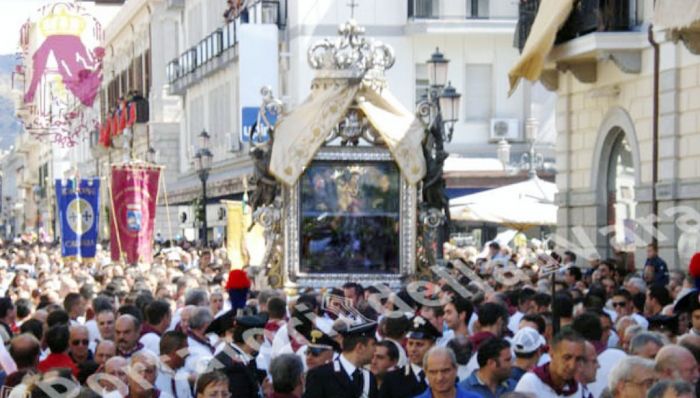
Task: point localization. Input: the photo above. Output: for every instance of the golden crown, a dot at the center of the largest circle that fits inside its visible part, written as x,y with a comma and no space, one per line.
61,22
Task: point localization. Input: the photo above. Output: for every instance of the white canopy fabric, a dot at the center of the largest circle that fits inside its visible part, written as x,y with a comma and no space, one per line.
677,14
551,15
300,134
519,206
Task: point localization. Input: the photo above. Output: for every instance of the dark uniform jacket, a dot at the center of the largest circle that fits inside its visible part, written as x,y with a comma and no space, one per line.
402,383
331,381
243,376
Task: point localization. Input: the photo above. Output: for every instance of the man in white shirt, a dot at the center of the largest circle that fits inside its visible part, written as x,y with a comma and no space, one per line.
172,377
128,330
623,305
201,351
104,320
74,305
557,379
158,315
526,305
589,326
99,304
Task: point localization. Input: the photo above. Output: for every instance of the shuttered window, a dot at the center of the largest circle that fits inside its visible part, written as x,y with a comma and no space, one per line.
477,92
220,119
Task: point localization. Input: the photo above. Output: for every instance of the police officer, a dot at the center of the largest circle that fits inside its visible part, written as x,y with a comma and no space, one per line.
237,359
409,380
345,376
320,350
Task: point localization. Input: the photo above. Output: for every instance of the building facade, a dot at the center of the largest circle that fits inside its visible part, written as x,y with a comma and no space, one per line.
626,153
223,63
137,42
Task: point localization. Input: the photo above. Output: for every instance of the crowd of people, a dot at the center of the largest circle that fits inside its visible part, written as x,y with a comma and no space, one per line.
485,325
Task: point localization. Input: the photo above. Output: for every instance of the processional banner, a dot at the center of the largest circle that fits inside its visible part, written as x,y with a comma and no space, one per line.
134,195
78,211
245,242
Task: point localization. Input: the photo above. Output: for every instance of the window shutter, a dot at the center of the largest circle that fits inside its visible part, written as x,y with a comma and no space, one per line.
477,92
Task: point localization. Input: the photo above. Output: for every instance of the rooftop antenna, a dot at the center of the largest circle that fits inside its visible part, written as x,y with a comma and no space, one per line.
352,4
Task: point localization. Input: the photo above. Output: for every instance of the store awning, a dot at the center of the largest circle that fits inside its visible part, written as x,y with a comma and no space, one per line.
300,134
519,206
551,15
677,14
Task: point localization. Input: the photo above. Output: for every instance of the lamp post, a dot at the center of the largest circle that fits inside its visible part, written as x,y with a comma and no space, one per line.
531,160
439,109
202,164
151,155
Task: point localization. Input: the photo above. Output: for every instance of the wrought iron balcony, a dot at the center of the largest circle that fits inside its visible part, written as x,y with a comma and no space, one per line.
587,16
225,38
456,9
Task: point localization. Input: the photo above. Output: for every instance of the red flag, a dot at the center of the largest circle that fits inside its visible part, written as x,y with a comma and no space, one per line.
104,135
122,116
134,195
132,114
115,124
108,131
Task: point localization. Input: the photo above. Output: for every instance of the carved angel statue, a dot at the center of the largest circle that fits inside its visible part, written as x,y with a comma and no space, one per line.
265,184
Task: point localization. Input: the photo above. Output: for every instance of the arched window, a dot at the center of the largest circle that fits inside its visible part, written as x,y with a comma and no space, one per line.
621,203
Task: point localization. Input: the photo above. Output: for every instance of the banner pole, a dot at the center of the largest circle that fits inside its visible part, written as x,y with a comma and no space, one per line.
167,206
114,220
76,188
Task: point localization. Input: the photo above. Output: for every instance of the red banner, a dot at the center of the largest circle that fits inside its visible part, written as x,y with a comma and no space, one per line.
134,196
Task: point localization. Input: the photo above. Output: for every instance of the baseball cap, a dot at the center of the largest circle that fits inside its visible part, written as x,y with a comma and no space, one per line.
527,341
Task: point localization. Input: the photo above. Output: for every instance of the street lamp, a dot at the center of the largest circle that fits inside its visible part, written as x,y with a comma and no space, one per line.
531,160
439,110
437,69
202,164
151,155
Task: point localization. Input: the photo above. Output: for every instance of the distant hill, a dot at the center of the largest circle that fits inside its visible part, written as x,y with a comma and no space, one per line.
9,126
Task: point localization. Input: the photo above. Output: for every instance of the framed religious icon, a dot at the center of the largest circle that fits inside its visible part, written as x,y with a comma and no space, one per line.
349,211
350,215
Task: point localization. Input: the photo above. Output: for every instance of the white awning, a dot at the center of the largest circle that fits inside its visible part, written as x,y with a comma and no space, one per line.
677,14
551,15
300,134
518,206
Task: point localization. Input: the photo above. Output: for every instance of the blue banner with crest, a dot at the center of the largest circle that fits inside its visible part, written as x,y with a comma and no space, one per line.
78,211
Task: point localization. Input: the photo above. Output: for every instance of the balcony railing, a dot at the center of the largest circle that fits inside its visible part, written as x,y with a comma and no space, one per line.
460,9
587,16
226,37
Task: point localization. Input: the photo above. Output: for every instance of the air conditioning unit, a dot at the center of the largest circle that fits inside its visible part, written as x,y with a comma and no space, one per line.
508,129
216,215
185,216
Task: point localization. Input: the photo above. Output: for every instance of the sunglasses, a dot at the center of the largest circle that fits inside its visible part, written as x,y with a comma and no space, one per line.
80,342
619,303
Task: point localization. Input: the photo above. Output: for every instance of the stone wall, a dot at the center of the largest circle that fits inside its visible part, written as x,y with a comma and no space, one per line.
586,115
